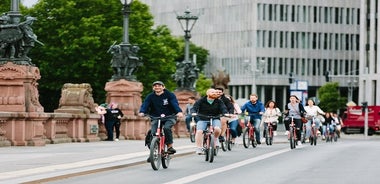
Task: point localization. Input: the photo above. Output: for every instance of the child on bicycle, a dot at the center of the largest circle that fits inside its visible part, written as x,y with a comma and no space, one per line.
271,115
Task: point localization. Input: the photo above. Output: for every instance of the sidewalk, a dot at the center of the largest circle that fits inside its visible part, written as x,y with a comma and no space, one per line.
24,164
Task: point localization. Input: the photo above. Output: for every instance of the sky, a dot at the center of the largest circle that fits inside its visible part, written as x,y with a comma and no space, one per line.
28,3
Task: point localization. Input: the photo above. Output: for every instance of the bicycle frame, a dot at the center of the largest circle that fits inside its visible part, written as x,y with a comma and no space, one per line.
158,149
269,133
313,133
249,135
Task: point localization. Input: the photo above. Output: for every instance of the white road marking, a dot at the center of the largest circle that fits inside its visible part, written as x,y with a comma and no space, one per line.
198,176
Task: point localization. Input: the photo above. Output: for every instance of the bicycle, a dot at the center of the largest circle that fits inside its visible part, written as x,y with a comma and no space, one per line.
249,134
227,144
331,133
269,133
292,136
313,133
303,133
209,145
158,149
193,130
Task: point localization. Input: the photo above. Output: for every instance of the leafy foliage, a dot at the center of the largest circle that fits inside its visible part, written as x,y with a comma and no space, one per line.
330,99
77,35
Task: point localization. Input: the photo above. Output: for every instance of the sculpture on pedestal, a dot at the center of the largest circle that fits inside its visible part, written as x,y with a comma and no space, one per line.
16,39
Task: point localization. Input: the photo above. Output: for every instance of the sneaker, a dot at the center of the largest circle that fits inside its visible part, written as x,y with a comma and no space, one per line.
299,143
171,150
262,139
274,133
148,159
116,139
323,137
287,132
199,151
258,142
307,140
221,139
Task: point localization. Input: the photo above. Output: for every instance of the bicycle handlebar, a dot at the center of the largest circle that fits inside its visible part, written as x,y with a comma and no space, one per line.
208,116
161,117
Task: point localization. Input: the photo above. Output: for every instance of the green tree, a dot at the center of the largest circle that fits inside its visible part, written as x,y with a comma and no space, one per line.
77,34
330,99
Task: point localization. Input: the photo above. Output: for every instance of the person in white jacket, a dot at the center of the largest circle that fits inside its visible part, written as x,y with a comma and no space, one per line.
271,115
313,112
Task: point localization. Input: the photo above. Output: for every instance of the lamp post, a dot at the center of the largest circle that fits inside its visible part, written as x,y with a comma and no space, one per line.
351,84
187,21
126,11
125,60
187,71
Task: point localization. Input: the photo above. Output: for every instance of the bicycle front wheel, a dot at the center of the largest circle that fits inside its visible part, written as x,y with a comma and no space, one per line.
165,159
155,154
206,146
291,139
229,142
212,148
193,129
246,138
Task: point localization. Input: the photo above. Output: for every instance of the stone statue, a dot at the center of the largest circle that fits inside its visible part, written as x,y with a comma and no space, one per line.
16,39
186,75
124,61
221,79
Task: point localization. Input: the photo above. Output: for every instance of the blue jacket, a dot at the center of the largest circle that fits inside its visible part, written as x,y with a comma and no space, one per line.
155,105
253,109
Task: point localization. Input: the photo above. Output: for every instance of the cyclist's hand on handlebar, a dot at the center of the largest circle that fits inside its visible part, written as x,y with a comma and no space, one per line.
194,114
180,115
141,114
228,115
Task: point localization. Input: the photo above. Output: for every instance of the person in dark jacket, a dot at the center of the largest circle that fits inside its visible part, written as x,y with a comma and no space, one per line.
230,109
117,115
161,101
255,109
209,105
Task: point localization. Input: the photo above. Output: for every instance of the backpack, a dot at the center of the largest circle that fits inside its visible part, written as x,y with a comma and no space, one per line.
148,138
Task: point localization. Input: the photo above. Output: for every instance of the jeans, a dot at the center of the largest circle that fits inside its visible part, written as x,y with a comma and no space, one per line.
188,119
256,124
308,126
233,127
202,125
331,128
109,128
167,126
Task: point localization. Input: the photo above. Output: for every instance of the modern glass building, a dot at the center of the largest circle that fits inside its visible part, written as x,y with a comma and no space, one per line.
262,43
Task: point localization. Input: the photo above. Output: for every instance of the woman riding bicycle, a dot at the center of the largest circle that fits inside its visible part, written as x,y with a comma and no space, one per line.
208,106
313,112
271,115
296,110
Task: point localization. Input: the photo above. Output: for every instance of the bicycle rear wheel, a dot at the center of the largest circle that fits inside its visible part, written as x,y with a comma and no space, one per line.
246,138
270,136
229,142
155,155
193,129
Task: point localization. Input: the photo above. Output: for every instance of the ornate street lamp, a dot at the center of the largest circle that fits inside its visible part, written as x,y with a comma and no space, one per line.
187,22
126,11
125,60
187,71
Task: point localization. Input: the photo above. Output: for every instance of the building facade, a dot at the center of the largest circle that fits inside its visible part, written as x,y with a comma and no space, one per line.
259,43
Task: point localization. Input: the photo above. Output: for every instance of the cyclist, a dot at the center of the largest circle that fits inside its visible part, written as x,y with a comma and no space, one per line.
255,108
329,123
296,110
234,123
188,117
162,101
210,105
312,111
339,123
271,115
230,109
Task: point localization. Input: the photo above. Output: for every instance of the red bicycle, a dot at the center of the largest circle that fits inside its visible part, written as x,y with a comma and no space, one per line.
158,149
269,133
249,134
227,144
209,145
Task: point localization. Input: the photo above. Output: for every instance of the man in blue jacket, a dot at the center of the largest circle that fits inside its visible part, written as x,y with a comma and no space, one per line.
161,101
255,108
